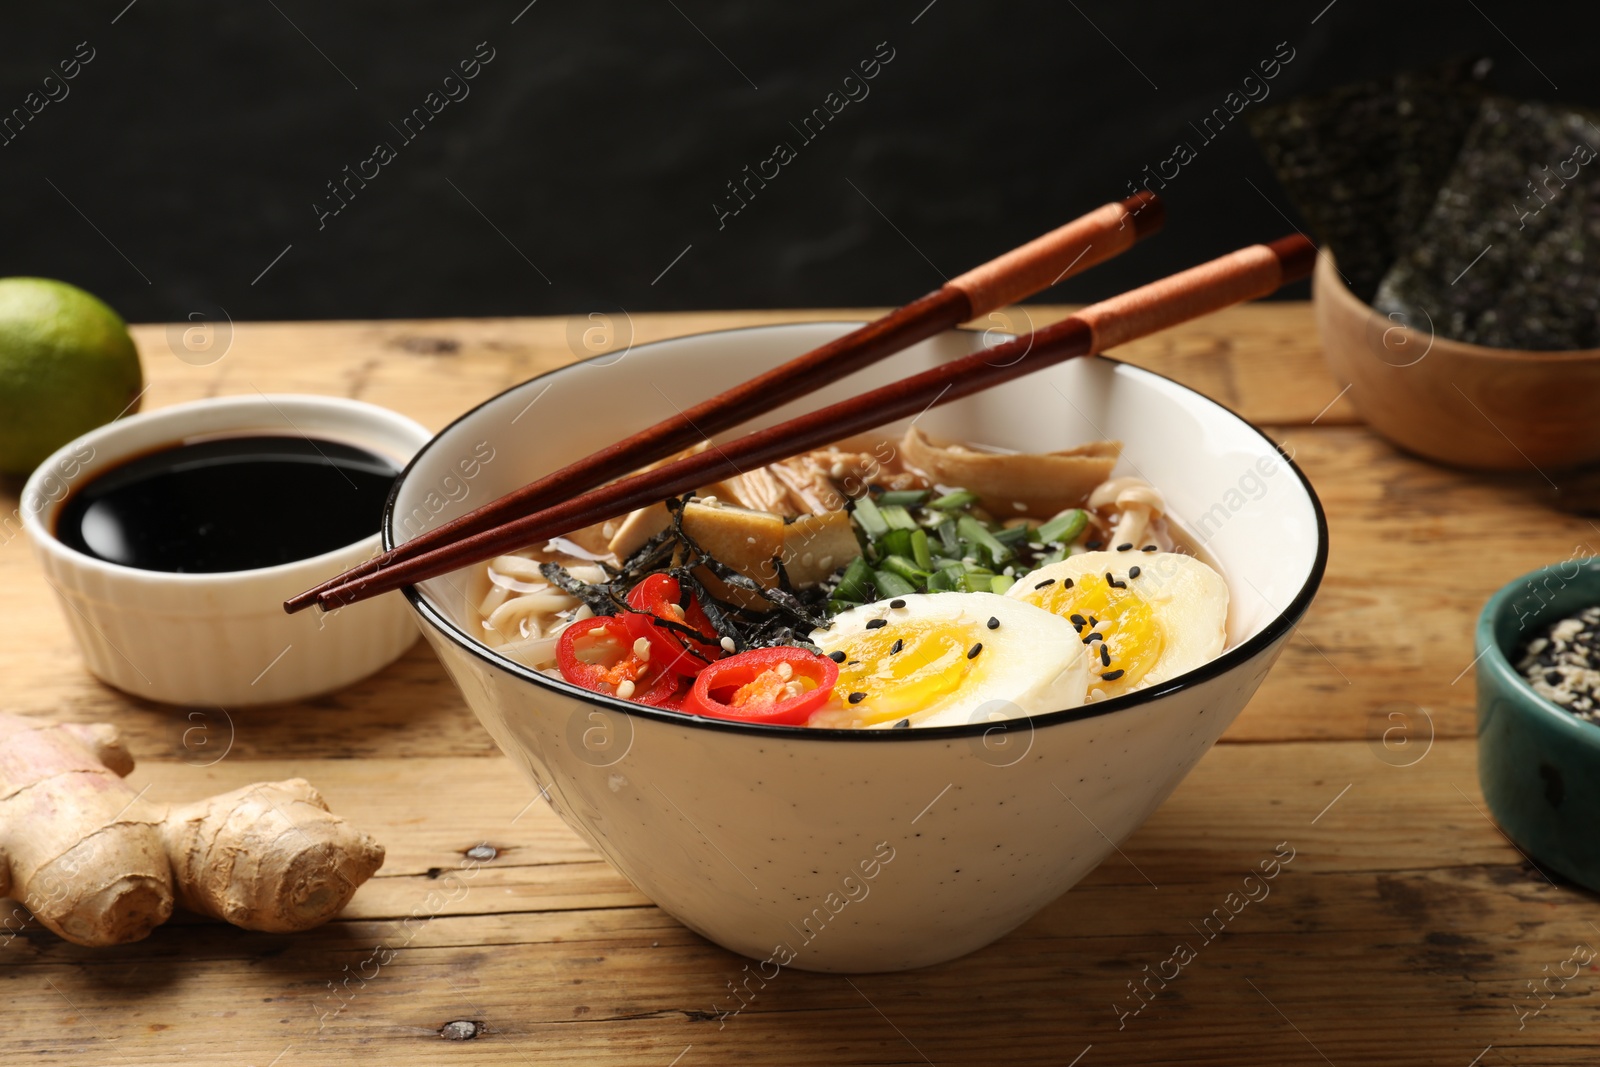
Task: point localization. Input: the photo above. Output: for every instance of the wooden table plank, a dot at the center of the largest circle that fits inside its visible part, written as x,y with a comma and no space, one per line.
1400,932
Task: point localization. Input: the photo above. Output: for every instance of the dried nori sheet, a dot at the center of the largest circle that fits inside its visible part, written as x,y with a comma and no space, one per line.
1509,254
1363,162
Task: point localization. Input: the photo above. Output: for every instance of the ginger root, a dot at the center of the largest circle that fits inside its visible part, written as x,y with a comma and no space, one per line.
99,865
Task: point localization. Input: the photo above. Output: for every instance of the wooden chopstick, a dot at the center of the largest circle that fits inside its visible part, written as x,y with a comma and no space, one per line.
1071,249
1238,276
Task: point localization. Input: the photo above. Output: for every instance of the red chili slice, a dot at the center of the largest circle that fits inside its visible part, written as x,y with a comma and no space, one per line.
599,654
760,686
662,597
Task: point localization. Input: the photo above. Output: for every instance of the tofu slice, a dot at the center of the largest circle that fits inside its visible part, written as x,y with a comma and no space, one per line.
814,546
746,540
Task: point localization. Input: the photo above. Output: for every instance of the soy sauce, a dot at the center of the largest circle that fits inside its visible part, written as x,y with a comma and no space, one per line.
229,504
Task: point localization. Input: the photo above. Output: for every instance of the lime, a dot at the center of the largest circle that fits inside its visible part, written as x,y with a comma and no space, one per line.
67,365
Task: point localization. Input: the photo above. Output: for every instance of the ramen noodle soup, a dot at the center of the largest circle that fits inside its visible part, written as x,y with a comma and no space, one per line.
874,584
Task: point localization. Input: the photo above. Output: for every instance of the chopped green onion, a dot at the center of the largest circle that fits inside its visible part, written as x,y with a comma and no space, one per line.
1053,556
898,517
891,584
949,539
920,551
1065,527
971,530
856,584
978,583
905,568
955,577
906,498
837,606
895,542
954,501
869,518
1014,535
1000,583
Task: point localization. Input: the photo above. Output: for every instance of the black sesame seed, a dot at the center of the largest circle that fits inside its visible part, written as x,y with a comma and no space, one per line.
852,663
1079,621
972,653
1094,636
994,623
897,603
1112,676
1113,583
1133,572
837,657
1094,546
1066,583
877,624
1124,546
902,724
1151,548
1047,581
1105,654
897,646
856,698
1093,621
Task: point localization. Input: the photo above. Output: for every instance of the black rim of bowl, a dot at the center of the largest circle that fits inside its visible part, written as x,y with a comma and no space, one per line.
1230,658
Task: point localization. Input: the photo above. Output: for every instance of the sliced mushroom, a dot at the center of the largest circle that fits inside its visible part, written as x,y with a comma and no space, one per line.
1018,483
1138,504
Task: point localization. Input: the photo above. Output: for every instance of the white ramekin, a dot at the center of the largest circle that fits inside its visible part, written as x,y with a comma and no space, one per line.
219,639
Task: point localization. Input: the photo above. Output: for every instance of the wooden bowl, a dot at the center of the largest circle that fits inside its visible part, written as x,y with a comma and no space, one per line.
1462,404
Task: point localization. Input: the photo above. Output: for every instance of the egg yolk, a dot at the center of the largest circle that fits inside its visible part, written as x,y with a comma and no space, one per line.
1125,621
904,667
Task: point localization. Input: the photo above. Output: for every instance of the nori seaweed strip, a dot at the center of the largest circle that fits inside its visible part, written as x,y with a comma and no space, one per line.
712,607
783,574
597,597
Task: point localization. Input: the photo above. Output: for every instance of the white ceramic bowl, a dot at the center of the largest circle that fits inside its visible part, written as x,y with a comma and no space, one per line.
885,849
219,639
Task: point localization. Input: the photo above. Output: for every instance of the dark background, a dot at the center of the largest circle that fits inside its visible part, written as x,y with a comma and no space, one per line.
590,151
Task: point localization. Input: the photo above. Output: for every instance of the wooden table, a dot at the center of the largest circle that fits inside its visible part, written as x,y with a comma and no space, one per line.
1406,930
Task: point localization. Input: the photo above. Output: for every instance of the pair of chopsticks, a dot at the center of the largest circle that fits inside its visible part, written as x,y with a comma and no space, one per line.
518,519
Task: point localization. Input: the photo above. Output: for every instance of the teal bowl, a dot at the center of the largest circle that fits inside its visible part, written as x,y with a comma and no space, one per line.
1539,766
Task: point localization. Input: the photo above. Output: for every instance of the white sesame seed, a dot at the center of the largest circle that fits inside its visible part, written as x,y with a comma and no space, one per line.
624,689
785,671
727,644
641,649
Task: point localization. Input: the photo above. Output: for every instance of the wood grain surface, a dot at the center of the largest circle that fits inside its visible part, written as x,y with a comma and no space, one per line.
1405,930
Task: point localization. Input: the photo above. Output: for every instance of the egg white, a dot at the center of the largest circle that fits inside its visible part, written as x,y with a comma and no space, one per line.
1189,600
1032,663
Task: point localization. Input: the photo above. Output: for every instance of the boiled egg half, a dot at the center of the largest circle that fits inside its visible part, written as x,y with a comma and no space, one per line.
1143,617
944,659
